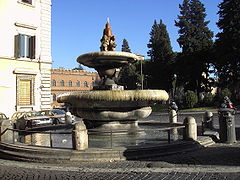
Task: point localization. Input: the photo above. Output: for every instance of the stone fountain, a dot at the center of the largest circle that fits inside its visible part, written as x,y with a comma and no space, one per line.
108,106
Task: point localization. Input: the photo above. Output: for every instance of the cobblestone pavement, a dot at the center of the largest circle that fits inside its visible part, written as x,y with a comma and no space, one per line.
116,170
219,161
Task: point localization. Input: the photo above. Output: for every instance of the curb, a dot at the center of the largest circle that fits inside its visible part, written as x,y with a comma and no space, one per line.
53,155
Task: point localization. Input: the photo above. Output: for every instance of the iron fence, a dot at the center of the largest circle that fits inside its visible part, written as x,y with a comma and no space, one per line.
97,139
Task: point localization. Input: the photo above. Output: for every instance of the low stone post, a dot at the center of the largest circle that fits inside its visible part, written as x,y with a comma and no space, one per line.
172,120
68,118
80,137
8,135
173,116
208,120
190,130
227,125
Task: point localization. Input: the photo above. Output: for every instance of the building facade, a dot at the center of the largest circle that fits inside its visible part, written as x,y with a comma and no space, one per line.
64,81
25,55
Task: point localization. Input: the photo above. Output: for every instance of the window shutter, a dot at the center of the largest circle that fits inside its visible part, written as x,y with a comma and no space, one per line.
22,45
32,46
17,46
27,46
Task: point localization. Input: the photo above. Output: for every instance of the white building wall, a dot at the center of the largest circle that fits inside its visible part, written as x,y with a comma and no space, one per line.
45,57
17,17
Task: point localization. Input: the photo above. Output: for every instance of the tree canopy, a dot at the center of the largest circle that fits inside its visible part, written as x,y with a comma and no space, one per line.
195,39
161,58
227,49
129,75
79,67
125,46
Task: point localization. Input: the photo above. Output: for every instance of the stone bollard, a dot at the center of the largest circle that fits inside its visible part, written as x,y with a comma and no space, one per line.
80,137
227,125
208,120
172,120
190,131
8,135
173,116
68,118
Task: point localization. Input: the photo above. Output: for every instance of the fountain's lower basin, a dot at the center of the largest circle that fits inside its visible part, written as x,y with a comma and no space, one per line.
146,134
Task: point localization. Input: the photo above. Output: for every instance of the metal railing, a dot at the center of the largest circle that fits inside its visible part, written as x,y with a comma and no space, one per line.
31,133
17,134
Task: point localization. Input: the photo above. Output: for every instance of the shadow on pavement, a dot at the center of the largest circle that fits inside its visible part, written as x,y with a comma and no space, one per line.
218,154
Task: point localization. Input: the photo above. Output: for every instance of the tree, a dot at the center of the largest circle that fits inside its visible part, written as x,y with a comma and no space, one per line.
195,39
161,58
129,76
184,25
227,49
79,67
194,35
125,46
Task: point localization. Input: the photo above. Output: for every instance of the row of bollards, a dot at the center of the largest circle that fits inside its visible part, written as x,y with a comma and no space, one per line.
190,131
226,122
227,130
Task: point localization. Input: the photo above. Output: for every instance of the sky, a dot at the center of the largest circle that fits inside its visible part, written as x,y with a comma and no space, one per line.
77,25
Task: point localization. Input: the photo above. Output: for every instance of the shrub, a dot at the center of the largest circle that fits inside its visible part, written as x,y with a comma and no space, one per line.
208,99
225,92
191,99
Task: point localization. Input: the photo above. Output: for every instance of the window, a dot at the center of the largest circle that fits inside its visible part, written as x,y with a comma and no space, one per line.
78,83
25,46
85,84
25,93
62,83
27,1
70,83
53,82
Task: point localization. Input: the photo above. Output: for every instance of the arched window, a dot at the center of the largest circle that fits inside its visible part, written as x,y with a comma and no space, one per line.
70,83
85,84
78,83
53,82
62,83
54,97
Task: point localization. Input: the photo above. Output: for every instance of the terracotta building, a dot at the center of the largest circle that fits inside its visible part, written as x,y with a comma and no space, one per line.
64,80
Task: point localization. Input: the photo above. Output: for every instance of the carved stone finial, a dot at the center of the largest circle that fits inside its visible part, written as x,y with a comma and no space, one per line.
108,40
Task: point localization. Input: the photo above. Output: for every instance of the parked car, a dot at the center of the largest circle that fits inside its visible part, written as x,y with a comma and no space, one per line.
57,115
3,116
23,120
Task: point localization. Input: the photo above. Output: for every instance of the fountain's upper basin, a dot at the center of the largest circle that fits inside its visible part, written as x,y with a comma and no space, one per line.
107,59
109,105
113,99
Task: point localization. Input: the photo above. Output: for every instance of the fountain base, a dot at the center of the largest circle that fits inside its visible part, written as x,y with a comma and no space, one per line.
127,127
